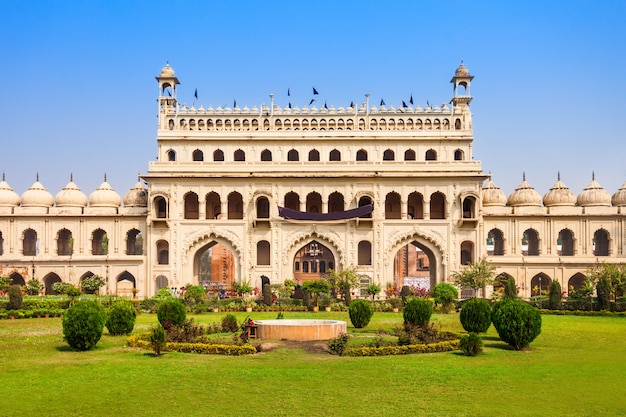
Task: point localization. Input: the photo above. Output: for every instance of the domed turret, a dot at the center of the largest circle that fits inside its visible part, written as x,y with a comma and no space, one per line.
136,196
524,195
71,196
493,195
104,196
462,71
559,195
594,195
37,196
167,71
619,198
8,197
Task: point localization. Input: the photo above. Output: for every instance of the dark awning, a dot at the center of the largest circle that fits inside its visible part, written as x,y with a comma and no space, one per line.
320,217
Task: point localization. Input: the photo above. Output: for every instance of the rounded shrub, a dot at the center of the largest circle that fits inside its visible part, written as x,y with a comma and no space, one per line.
195,295
15,297
83,324
361,313
471,344
120,318
516,322
171,310
476,315
417,312
554,300
229,323
445,295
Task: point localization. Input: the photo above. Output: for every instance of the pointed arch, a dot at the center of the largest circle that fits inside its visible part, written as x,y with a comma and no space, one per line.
601,243
235,206
192,206
437,205
393,206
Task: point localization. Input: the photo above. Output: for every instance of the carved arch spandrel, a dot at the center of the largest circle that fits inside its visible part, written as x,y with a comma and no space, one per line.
404,237
299,239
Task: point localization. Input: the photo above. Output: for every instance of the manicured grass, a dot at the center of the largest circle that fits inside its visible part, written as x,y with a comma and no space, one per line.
575,367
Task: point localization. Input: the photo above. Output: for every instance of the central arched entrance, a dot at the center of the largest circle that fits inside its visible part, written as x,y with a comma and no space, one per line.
214,266
415,265
312,261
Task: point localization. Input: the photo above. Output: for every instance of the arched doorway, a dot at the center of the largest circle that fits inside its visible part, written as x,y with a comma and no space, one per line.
17,279
126,285
48,280
415,265
312,261
214,266
540,284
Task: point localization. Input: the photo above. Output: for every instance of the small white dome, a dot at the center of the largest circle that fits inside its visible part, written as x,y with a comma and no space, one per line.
104,196
8,197
619,198
71,196
136,196
493,195
37,196
524,195
559,195
594,195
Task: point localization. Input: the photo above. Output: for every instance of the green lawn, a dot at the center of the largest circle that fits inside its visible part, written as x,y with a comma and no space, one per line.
576,367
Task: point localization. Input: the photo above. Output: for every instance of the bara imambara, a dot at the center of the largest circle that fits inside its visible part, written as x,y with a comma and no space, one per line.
268,194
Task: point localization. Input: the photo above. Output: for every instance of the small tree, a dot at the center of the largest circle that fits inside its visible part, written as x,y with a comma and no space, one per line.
92,284
603,292
554,299
342,280
5,283
121,317
614,275
445,295
158,339
65,288
267,294
510,289
15,298
316,288
476,315
33,287
516,322
195,296
417,313
475,275
172,310
373,290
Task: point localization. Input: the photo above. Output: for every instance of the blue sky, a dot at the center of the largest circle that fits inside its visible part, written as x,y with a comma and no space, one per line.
549,86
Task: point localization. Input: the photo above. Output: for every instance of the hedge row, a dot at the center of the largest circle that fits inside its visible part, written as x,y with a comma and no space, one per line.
583,313
139,341
28,314
402,350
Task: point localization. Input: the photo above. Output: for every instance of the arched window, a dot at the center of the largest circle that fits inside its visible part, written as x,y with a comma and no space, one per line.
263,252
99,242
292,201
235,206
163,252
171,155
409,155
365,253
457,124
335,155
601,243
540,284
218,155
364,201
566,241
192,206
213,206
415,206
495,242
65,243
266,155
134,242
530,243
469,208
437,206
389,155
160,206
467,252
262,208
314,155
458,155
292,155
361,155
239,156
314,203
431,155
162,282
575,283
335,202
392,206
198,155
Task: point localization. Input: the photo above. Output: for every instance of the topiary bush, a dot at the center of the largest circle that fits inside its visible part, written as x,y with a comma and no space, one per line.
476,315
120,318
603,291
171,310
510,289
445,295
195,296
157,339
417,312
83,324
361,313
229,324
554,299
516,322
15,298
471,344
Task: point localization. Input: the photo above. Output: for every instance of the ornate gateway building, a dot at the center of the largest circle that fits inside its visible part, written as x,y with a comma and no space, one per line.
267,194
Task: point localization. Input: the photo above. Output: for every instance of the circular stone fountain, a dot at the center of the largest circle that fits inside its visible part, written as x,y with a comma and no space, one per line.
299,330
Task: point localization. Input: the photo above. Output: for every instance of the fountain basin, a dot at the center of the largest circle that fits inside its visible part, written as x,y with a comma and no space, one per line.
299,330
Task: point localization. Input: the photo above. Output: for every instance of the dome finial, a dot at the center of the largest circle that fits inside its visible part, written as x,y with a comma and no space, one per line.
558,175
105,177
593,175
71,177
2,175
523,175
37,177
